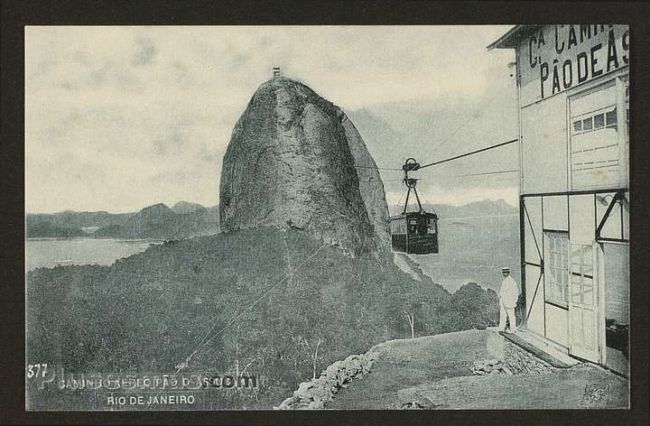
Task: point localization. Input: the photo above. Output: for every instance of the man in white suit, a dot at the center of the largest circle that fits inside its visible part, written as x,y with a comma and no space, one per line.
508,301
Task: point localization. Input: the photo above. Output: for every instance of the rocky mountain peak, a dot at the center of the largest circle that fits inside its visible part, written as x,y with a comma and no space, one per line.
154,212
184,207
296,161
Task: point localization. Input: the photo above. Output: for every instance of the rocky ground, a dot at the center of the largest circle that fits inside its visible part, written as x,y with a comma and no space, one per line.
315,393
515,361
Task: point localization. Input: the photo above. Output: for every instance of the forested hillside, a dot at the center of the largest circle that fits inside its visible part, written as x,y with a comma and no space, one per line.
148,312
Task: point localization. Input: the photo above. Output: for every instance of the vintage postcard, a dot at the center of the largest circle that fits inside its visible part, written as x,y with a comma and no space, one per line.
327,217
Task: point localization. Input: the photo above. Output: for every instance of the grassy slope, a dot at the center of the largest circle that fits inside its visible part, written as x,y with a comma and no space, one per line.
405,363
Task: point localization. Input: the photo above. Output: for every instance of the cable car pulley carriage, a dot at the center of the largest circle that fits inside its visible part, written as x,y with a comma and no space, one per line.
417,232
414,232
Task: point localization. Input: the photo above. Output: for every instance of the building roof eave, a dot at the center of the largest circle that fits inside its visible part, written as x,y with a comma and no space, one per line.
511,39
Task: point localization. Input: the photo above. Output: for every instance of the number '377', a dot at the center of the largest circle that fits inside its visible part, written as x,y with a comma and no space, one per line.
34,370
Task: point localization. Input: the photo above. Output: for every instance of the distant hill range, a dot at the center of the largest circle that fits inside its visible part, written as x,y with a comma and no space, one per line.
478,208
183,220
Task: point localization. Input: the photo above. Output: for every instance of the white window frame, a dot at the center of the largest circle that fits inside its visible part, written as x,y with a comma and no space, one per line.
621,81
605,110
556,291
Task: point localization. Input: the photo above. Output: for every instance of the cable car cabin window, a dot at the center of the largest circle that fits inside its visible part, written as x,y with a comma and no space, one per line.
413,226
433,226
423,227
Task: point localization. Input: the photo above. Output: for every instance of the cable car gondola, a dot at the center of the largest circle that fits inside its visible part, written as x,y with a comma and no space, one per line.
414,232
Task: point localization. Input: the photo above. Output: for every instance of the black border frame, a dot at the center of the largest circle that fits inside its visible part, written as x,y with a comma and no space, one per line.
16,14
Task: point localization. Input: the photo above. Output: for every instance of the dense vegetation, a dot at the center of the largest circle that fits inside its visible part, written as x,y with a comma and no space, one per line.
148,312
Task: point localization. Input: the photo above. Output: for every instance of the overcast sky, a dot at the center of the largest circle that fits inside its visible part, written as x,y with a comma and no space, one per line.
118,118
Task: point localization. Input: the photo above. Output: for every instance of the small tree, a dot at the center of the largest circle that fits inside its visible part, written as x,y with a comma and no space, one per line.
414,300
411,319
315,357
310,350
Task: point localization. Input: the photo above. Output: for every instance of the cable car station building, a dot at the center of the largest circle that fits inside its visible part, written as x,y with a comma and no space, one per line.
573,97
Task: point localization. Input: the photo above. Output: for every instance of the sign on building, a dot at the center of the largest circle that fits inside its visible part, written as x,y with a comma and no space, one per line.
558,57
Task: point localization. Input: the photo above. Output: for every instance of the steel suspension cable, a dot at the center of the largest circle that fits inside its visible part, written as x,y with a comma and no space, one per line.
467,154
207,340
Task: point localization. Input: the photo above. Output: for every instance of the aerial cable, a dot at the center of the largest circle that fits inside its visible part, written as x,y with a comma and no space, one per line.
207,340
399,202
496,172
467,154
474,114
435,163
378,168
